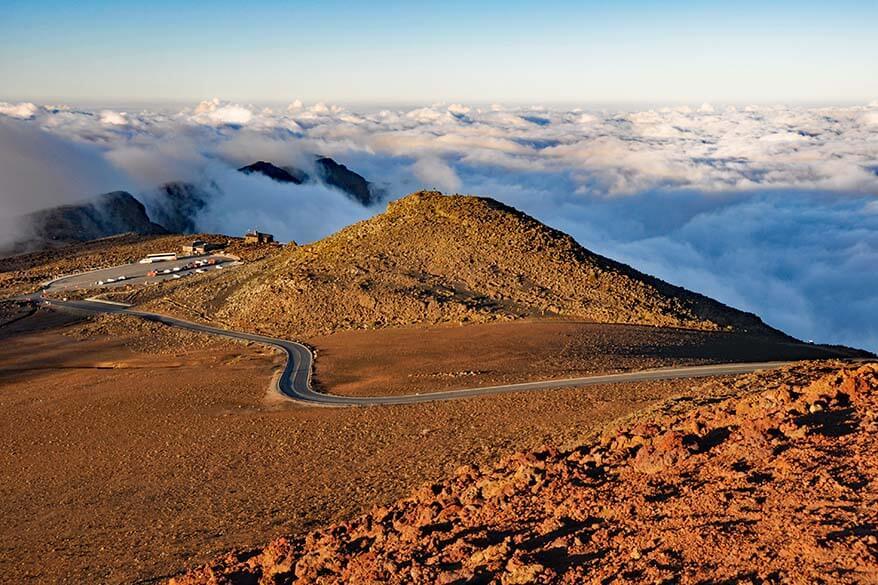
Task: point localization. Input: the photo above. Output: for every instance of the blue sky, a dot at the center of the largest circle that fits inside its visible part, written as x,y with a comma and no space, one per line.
407,52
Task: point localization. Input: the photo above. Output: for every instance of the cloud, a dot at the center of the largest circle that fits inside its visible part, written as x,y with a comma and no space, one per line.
152,162
113,118
22,111
216,112
435,173
40,170
768,208
304,213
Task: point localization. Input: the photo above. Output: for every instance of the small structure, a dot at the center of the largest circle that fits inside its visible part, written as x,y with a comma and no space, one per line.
163,257
254,237
199,247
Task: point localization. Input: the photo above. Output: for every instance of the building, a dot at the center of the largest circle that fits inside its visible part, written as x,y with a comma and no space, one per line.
163,257
254,237
199,247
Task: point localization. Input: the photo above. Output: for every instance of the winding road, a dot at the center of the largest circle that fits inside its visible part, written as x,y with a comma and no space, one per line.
295,380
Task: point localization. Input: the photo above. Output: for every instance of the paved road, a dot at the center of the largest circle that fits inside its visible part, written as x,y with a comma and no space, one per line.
295,381
133,273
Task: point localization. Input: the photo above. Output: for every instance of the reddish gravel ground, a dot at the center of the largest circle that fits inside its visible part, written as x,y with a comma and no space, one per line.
112,428
777,484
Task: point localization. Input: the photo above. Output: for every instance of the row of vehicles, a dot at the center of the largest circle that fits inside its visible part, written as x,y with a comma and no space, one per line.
199,266
110,280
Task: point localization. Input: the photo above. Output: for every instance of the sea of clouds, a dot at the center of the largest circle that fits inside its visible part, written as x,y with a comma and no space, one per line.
771,209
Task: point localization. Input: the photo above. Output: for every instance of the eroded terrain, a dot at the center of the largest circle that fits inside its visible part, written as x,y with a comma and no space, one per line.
777,483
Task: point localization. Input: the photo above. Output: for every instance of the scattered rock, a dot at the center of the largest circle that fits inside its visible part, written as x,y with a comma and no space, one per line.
742,494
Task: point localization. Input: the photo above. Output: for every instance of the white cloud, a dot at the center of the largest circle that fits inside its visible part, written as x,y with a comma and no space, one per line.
783,137
436,174
112,118
40,170
216,112
768,208
303,213
22,111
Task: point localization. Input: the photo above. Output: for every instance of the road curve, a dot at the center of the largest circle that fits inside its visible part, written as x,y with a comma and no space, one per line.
295,380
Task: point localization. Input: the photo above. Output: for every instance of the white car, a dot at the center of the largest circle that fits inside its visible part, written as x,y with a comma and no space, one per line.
218,267
123,277
99,283
176,269
200,271
109,280
166,271
176,276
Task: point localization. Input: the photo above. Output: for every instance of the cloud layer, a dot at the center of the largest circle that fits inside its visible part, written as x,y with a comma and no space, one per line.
770,209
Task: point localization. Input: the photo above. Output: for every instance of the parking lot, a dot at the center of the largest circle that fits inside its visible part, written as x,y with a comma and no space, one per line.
137,273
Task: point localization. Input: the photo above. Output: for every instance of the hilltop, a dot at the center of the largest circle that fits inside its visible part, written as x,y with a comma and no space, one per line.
432,258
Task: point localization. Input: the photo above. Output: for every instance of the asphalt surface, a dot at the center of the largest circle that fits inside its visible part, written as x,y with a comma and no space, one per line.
295,380
133,273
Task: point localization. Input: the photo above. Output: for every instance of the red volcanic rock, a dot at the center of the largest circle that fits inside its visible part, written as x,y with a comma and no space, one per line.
759,488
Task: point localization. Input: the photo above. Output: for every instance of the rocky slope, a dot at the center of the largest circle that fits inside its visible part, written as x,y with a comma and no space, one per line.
432,259
342,178
105,215
776,484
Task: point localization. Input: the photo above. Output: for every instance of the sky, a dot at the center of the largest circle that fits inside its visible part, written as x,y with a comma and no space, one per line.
395,52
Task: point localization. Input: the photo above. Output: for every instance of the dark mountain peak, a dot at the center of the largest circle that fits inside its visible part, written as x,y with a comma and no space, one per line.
276,173
101,216
176,206
329,172
339,176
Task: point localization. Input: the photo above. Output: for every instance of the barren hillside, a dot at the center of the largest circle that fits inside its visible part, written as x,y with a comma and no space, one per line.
433,258
776,484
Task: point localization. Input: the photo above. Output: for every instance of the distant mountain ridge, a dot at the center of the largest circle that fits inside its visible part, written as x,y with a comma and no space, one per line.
173,207
276,173
107,214
328,171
